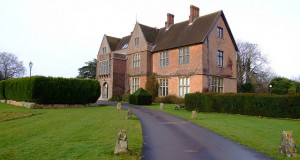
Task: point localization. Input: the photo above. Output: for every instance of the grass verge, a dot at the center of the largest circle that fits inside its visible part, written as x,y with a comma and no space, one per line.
262,134
71,133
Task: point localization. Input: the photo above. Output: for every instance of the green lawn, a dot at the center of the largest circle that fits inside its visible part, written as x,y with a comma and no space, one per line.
262,134
77,133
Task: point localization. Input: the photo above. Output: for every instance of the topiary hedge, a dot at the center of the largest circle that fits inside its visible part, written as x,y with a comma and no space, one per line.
287,106
49,90
140,97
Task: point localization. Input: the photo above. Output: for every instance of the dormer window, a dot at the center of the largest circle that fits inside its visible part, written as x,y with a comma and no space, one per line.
220,32
125,46
136,41
104,50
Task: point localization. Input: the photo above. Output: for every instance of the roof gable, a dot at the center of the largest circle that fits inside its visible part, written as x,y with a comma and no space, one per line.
150,33
230,33
112,42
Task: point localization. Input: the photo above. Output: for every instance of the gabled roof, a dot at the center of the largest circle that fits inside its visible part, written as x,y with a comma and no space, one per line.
177,35
183,34
112,42
150,33
123,41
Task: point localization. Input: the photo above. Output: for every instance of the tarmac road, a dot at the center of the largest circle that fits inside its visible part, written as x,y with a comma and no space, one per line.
167,137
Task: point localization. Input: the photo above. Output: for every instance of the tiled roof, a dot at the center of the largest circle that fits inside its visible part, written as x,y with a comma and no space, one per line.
149,33
113,42
177,35
123,41
183,34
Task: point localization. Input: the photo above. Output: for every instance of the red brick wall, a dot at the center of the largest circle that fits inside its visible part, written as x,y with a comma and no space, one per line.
228,71
176,69
119,71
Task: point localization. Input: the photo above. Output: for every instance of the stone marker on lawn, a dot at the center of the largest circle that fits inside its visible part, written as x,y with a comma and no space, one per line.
288,144
129,114
161,106
194,115
119,106
122,143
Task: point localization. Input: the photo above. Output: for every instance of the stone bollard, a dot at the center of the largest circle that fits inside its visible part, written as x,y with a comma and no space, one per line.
161,106
119,106
129,114
288,144
194,115
122,142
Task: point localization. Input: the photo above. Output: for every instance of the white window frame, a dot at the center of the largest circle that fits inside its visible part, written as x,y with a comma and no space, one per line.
184,86
184,55
217,85
164,59
135,84
220,32
136,60
104,50
220,58
104,67
163,87
136,41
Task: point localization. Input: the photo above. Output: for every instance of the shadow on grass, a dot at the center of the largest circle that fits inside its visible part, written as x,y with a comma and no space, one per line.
128,154
9,116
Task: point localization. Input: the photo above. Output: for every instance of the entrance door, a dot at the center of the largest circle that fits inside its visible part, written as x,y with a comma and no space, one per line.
105,91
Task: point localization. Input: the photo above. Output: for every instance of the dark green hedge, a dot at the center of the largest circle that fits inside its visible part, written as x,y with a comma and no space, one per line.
48,90
19,89
140,97
287,106
169,99
2,93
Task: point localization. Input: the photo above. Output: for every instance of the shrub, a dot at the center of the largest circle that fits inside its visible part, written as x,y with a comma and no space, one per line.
152,85
140,97
169,99
48,90
116,98
284,86
287,106
125,97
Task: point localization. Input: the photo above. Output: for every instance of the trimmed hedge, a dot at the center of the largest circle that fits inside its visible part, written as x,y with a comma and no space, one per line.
19,89
2,93
140,97
287,106
49,90
169,99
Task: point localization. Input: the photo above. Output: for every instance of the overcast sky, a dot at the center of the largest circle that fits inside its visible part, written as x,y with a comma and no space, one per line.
58,36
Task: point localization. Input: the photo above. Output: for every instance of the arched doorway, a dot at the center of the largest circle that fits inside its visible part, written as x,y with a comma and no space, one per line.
105,91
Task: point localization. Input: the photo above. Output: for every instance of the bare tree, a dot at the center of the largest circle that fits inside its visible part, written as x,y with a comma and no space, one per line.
254,72
10,66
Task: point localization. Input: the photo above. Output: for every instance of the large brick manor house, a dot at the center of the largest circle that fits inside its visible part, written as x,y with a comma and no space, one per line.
197,55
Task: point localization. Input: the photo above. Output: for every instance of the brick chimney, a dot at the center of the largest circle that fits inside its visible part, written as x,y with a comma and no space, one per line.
194,13
170,20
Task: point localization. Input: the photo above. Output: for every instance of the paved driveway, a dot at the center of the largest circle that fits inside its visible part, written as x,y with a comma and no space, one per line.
167,137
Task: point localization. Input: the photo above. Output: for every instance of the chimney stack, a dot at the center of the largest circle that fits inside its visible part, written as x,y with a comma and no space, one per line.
194,13
170,20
